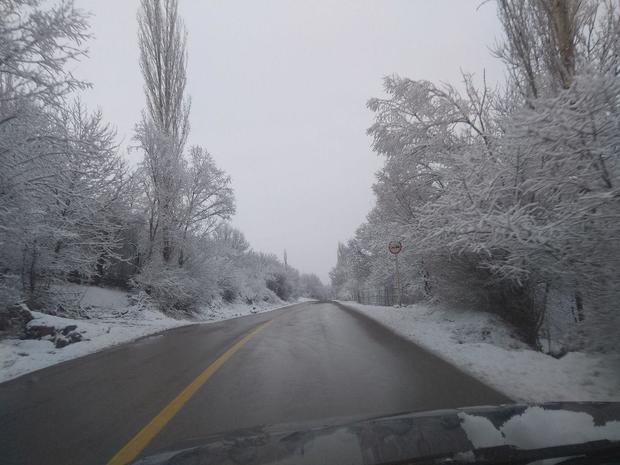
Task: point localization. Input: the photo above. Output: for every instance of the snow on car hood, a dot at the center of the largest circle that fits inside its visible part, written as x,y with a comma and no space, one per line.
538,427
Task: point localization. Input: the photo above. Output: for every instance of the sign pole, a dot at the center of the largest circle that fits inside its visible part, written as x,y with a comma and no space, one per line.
395,247
400,291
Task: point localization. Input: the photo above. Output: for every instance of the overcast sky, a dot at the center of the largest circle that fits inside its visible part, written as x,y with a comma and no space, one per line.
279,91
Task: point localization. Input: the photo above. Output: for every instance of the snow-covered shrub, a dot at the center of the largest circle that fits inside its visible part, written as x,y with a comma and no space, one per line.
172,288
277,283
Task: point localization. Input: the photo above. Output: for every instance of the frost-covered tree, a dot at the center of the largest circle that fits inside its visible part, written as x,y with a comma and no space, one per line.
506,197
91,202
164,128
61,179
37,43
206,197
548,42
186,196
163,60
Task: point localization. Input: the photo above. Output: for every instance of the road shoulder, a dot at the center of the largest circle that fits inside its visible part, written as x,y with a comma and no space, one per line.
466,340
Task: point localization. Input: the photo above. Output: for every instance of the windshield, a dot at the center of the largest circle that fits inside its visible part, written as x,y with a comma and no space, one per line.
277,229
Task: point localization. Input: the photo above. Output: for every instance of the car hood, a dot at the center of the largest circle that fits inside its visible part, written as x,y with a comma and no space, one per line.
498,434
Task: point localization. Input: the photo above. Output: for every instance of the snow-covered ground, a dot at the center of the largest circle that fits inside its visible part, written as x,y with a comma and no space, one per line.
234,310
486,347
112,319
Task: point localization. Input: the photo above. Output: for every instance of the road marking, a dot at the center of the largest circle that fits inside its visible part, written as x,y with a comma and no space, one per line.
137,444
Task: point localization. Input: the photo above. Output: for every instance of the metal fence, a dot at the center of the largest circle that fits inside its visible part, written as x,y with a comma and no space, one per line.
386,296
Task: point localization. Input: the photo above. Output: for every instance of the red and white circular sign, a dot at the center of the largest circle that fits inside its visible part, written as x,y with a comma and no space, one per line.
395,247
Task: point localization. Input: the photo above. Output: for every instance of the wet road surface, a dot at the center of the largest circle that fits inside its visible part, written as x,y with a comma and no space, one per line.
312,362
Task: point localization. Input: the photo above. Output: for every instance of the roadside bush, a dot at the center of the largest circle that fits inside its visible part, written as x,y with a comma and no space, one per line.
171,288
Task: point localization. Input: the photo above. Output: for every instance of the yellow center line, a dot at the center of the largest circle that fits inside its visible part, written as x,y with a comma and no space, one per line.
137,444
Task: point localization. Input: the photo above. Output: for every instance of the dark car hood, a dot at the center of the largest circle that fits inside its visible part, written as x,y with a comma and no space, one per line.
502,434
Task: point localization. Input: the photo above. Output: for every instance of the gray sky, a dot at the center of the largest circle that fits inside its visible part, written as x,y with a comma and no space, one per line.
279,91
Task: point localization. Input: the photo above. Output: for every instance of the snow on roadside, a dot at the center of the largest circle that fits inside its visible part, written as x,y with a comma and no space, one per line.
112,320
237,309
484,346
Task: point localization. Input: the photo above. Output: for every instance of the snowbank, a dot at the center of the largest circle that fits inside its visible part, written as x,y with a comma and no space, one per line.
235,310
111,319
486,347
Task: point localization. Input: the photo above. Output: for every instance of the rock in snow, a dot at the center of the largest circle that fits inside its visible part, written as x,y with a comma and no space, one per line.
13,320
60,337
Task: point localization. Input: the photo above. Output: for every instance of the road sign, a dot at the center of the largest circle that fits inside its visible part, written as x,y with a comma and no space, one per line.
395,247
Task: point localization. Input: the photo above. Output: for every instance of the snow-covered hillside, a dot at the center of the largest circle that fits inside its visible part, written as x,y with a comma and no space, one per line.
110,317
486,347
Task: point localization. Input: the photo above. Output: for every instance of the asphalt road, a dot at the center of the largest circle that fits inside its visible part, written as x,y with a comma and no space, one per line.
313,362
